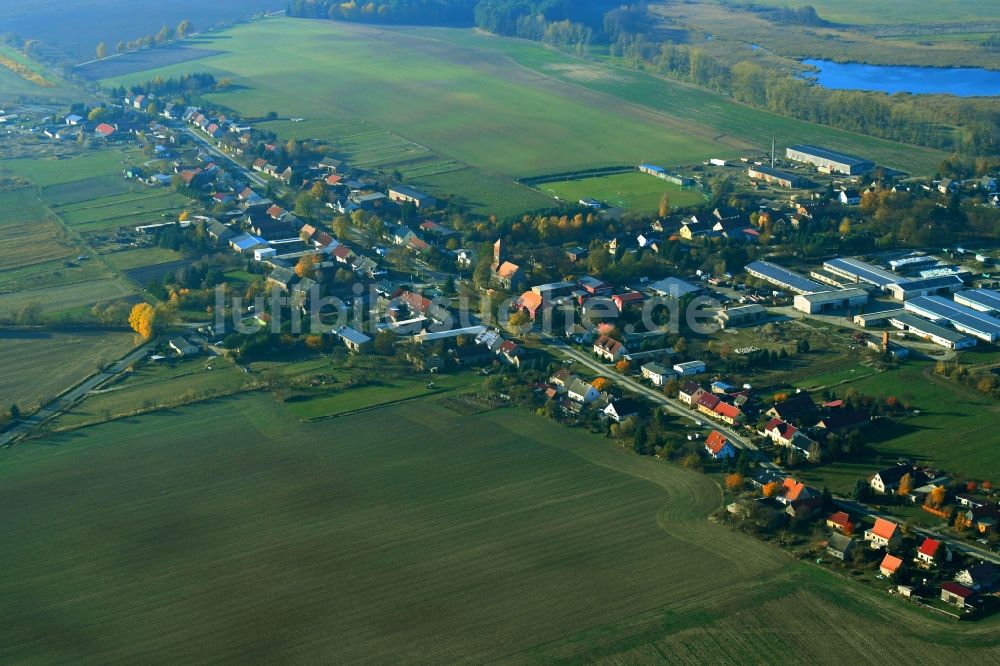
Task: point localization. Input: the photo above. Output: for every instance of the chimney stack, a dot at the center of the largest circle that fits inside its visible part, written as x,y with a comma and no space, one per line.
885,341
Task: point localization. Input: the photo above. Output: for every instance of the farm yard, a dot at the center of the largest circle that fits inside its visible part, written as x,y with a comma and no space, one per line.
40,364
631,191
469,541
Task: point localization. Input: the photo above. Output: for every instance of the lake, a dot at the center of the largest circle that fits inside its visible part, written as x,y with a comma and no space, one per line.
960,81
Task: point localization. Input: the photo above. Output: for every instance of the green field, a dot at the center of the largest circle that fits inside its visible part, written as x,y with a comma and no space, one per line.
954,431
462,113
631,191
38,365
229,532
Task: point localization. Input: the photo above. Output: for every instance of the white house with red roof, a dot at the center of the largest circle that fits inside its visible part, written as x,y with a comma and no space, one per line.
718,447
890,565
884,534
931,552
609,349
841,522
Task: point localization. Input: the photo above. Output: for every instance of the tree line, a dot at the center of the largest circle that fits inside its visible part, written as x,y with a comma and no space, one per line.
166,34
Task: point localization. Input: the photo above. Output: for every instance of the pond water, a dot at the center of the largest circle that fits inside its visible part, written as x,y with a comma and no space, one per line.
960,81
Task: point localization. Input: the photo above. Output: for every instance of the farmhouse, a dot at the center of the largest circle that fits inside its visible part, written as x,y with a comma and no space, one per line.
689,368
794,409
657,374
619,410
981,577
841,522
689,393
840,546
930,551
609,349
886,481
580,391
890,565
884,534
718,447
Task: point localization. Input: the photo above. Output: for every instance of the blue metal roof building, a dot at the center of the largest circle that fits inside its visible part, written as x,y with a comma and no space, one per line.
965,319
863,272
984,300
782,277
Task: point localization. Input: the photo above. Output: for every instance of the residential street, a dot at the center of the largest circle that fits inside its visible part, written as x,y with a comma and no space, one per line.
656,396
860,509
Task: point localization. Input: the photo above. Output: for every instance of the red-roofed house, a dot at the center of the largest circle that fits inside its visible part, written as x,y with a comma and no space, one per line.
794,491
840,522
630,299
718,447
890,565
104,130
530,302
706,403
884,534
731,414
276,212
334,180
609,348
779,432
343,254
954,593
930,553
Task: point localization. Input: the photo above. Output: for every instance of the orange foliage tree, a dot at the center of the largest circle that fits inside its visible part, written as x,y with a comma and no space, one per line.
734,481
936,497
770,489
622,366
142,319
905,486
602,383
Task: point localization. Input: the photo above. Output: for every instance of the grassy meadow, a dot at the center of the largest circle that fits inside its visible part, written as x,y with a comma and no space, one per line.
229,531
953,431
631,191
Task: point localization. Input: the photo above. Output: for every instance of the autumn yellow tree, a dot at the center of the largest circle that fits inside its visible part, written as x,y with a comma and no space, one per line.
905,486
142,320
935,497
602,384
665,204
306,266
770,489
734,481
962,522
622,366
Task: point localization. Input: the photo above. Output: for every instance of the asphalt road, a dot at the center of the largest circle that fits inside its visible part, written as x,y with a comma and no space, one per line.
67,399
658,397
960,546
233,164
